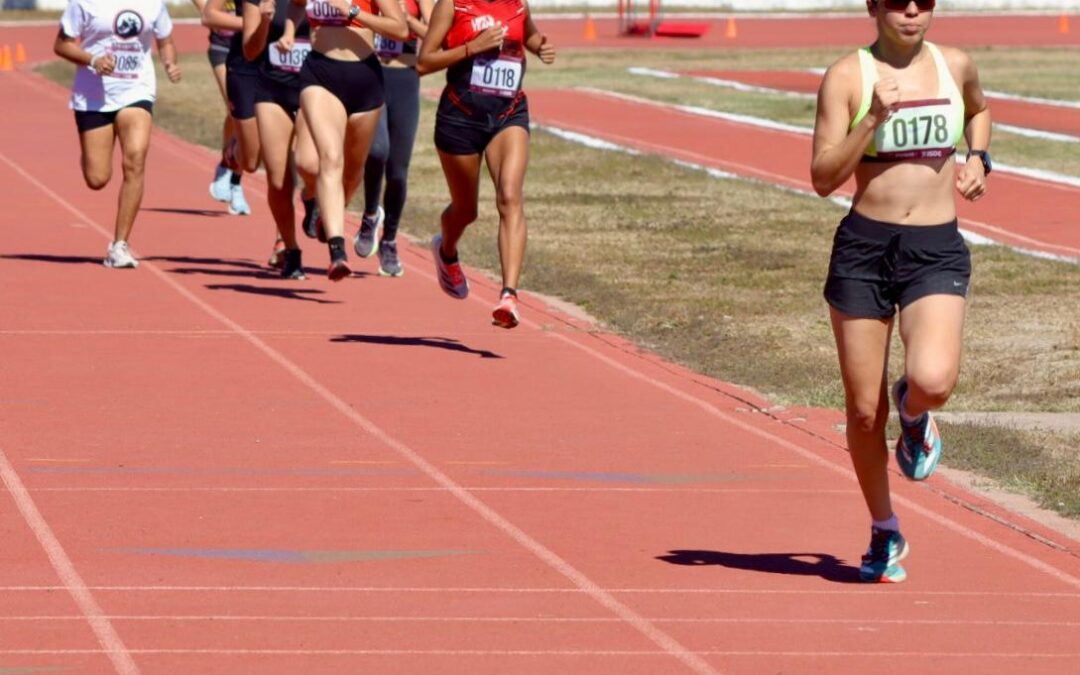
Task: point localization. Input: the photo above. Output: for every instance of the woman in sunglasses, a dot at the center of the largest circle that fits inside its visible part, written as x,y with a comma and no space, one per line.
892,115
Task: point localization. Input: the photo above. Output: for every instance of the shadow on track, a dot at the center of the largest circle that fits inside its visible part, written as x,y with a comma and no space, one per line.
206,213
276,292
62,259
435,342
822,565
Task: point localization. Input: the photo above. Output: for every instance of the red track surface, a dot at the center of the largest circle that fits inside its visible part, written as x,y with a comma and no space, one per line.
1019,113
225,472
1005,214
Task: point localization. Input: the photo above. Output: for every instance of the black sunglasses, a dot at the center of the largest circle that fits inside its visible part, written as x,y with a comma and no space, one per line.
901,5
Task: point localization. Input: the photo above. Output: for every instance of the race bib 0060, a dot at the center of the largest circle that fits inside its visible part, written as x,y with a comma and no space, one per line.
498,75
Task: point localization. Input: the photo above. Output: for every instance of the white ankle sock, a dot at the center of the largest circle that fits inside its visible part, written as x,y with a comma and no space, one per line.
891,524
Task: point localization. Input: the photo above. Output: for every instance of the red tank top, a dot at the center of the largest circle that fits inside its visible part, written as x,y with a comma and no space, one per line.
322,13
472,17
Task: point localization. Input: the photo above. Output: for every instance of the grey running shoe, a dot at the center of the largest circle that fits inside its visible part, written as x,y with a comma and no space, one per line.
451,275
389,262
366,241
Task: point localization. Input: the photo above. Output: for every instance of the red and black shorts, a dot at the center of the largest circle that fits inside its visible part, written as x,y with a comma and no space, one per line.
467,122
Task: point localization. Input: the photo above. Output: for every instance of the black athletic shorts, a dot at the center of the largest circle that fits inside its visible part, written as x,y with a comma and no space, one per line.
241,87
357,84
285,95
85,120
465,124
877,266
218,51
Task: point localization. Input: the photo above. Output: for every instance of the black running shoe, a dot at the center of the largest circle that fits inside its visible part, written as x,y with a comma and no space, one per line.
311,215
294,267
339,262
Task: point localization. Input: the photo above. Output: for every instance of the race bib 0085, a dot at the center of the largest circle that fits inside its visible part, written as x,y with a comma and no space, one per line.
129,59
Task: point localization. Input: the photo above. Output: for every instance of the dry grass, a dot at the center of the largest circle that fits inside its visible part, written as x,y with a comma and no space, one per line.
725,276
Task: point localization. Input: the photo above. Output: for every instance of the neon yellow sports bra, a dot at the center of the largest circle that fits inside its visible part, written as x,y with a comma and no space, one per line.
924,129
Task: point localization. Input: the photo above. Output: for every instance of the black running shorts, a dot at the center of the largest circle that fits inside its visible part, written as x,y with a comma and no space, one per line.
241,86
87,120
285,95
357,84
877,266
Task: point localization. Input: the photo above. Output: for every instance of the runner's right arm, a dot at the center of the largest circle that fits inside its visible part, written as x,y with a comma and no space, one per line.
837,148
434,58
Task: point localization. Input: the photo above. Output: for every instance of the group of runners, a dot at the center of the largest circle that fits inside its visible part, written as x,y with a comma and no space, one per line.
331,88
327,91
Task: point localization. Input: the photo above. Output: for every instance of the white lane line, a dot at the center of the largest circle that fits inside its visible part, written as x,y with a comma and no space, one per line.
1036,133
847,593
65,569
1056,102
480,508
775,181
861,621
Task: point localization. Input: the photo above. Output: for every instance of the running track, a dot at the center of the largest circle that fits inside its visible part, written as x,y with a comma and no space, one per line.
782,158
208,469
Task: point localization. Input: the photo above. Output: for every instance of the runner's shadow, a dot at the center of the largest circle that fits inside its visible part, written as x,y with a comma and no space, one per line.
246,264
63,259
398,341
276,292
822,565
206,213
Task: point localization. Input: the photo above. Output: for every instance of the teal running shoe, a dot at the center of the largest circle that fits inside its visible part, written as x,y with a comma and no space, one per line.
881,563
918,450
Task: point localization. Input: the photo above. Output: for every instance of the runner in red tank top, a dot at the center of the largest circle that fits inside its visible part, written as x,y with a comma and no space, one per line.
483,113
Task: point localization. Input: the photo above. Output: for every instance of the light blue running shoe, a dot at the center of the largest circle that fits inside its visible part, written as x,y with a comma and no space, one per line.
881,563
918,450
220,187
238,206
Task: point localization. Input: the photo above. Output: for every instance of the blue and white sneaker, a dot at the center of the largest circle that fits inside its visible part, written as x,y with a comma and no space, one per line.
238,206
221,186
881,563
918,450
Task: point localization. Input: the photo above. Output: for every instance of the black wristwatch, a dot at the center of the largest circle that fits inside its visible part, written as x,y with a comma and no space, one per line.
354,12
988,166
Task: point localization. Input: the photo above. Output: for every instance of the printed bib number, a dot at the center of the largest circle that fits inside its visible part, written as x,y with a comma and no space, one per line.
387,48
500,76
290,61
921,131
129,59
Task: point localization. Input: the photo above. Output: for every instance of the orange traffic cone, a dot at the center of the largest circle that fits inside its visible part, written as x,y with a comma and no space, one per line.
20,53
5,59
1063,24
732,31
590,28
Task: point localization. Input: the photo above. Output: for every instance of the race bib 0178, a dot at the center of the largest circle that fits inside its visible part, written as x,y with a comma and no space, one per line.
917,130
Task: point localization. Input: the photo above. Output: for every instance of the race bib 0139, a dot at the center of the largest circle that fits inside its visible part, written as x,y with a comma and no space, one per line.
498,75
290,61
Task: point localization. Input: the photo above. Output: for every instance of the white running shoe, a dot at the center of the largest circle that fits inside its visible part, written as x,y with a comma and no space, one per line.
119,256
220,187
238,206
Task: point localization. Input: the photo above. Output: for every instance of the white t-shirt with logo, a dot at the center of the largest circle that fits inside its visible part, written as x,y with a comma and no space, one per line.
126,29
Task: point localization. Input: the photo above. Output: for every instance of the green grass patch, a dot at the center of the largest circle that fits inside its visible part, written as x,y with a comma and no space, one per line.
725,277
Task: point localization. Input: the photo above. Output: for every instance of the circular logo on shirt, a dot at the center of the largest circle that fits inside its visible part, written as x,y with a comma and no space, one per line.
128,24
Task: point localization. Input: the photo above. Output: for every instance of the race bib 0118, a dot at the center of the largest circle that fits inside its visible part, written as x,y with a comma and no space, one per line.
290,61
498,75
